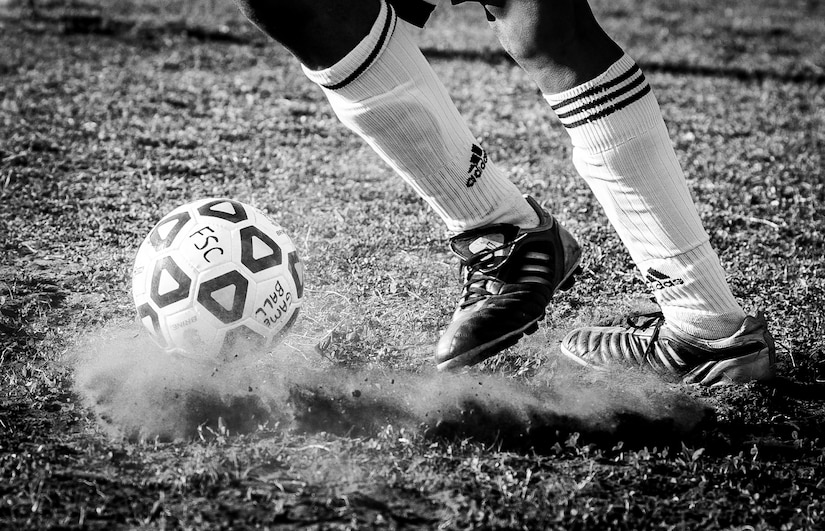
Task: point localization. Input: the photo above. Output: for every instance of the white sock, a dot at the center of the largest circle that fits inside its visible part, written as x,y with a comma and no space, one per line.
387,92
621,147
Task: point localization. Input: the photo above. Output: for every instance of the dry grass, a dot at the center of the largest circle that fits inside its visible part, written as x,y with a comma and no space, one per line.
109,121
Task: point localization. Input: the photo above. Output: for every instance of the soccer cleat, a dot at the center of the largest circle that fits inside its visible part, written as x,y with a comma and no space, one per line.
645,341
510,274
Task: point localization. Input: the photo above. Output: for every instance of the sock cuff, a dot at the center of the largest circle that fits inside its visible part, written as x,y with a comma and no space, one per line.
359,58
608,110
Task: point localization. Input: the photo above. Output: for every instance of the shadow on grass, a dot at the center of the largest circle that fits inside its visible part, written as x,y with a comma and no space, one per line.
799,390
90,21
507,415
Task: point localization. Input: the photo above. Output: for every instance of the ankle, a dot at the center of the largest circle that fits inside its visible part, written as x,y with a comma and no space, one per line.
522,215
705,327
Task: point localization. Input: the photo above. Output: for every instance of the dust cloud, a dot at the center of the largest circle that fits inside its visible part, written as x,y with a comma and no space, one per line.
138,392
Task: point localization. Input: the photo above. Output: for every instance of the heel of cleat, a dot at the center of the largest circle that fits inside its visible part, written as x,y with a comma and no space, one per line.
756,367
568,282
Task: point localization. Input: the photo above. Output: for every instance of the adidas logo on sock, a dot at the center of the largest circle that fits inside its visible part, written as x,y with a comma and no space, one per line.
656,280
478,161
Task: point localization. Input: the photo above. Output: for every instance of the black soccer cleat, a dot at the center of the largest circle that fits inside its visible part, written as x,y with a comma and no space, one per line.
646,342
510,274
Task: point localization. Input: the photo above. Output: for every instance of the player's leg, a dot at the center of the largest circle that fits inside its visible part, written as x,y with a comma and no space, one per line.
622,149
514,254
318,33
366,61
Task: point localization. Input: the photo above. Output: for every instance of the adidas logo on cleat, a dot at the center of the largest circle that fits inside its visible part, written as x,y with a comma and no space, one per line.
656,280
478,161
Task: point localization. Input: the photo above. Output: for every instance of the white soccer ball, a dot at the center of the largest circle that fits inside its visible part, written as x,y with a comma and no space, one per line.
215,279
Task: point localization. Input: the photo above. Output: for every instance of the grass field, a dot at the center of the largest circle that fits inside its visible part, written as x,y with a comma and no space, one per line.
110,117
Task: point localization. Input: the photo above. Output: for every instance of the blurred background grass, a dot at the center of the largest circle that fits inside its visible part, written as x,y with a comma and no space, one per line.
777,37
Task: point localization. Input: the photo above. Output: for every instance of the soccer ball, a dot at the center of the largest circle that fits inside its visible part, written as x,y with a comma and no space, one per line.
215,279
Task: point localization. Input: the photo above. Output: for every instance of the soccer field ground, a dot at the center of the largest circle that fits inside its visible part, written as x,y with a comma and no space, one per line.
114,113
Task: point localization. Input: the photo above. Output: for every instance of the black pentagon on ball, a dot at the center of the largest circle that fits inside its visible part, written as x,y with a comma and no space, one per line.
238,213
181,292
208,288
159,243
144,311
241,339
296,269
272,259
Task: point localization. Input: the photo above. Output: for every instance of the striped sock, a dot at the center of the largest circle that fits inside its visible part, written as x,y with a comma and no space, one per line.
387,92
622,149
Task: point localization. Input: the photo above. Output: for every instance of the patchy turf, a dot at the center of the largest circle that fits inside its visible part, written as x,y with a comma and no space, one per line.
109,119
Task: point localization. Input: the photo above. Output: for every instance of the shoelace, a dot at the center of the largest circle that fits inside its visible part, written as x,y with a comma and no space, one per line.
645,324
475,285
